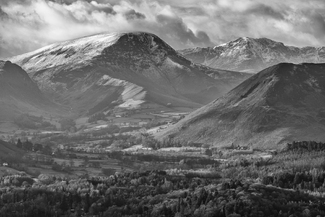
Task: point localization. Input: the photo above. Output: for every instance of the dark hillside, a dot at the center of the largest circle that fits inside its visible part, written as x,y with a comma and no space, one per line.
280,104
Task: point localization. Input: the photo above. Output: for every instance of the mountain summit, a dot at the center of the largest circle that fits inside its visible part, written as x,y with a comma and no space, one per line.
127,70
252,55
279,104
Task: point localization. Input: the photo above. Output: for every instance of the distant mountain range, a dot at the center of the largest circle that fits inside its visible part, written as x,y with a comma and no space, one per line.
125,70
18,93
280,104
252,55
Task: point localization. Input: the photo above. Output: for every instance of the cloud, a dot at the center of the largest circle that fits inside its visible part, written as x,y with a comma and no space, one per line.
177,30
190,11
132,15
30,24
315,25
3,15
266,11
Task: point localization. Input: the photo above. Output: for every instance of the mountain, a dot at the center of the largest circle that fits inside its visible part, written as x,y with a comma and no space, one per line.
125,70
252,55
18,93
282,103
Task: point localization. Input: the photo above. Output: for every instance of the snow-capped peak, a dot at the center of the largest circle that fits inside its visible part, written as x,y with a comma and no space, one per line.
254,54
78,51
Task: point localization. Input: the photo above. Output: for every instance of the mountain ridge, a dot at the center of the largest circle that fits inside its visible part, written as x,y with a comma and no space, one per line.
106,65
247,54
277,105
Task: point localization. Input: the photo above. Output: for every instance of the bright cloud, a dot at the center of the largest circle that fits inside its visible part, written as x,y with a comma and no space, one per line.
26,25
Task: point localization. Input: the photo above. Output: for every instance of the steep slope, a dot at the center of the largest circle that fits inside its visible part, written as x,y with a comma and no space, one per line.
127,70
252,55
18,93
282,103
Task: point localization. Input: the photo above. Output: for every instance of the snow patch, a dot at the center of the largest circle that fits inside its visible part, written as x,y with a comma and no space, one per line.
132,96
173,64
106,80
131,104
72,52
133,91
221,45
312,82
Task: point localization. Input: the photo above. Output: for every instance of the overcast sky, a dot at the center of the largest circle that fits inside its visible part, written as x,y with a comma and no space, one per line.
26,25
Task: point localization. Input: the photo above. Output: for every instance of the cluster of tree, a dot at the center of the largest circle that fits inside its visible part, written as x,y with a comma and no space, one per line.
36,147
68,124
155,123
16,180
246,162
150,142
109,134
153,193
306,146
189,160
313,180
27,121
65,138
97,117
61,167
116,142
108,171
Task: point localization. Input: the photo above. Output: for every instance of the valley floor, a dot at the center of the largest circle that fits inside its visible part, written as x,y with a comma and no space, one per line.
174,181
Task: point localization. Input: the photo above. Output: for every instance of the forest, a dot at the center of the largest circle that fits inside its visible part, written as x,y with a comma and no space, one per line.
152,193
290,184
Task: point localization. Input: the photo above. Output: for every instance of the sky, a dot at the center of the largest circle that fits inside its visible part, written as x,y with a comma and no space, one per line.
26,25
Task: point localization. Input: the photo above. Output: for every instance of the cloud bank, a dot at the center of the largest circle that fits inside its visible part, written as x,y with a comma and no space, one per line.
26,25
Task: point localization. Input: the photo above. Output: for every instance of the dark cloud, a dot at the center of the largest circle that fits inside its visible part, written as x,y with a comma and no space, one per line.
266,11
176,29
203,37
3,15
317,25
133,15
63,1
11,2
107,9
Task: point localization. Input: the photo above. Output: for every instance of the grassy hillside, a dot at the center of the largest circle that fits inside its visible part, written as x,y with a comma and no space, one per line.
278,105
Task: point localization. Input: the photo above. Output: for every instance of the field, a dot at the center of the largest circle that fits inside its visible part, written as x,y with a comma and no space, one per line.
78,166
7,170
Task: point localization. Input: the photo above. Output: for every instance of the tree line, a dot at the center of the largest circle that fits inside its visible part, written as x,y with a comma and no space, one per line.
151,193
305,146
